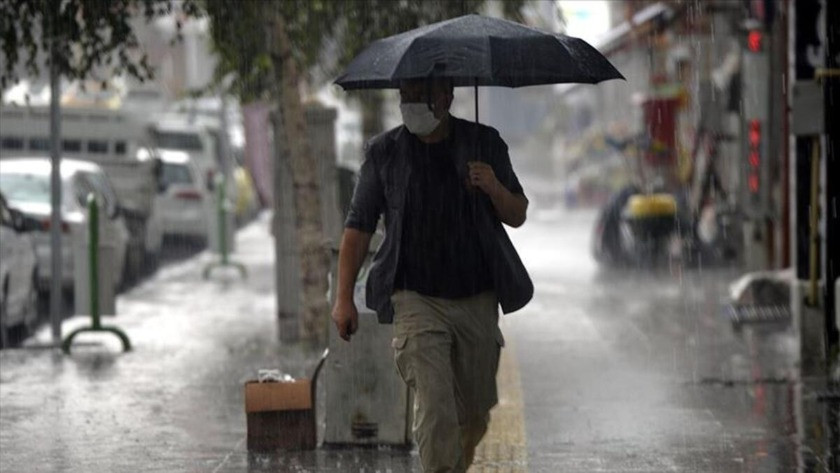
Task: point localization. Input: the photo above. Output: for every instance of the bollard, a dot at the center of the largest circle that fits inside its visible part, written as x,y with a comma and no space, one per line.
221,184
93,258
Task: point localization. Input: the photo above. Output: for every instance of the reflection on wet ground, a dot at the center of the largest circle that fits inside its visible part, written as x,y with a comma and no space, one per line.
630,370
623,372
173,251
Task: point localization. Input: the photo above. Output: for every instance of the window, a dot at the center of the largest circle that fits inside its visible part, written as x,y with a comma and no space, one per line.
119,147
97,146
32,188
175,174
103,190
71,146
178,140
39,144
11,142
81,188
217,143
5,214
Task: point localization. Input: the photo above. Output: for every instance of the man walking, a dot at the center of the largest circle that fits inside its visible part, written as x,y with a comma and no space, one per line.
444,267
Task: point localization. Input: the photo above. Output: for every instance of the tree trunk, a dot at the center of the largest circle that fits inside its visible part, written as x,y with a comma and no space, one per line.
287,257
314,258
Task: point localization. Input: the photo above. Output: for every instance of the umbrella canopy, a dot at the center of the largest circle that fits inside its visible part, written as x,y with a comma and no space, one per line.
474,50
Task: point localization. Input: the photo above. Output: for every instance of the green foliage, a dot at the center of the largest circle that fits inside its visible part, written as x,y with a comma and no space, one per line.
96,36
241,32
92,35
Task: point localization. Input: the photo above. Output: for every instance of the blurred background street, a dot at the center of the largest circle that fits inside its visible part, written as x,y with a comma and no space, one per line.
180,170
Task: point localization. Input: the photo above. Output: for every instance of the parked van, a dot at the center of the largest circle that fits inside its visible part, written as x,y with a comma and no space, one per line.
116,140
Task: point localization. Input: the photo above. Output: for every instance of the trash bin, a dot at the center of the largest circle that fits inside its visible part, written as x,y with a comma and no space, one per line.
81,276
366,401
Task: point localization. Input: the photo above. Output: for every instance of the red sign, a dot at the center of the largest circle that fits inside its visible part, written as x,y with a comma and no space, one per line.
660,117
754,40
754,156
754,161
753,182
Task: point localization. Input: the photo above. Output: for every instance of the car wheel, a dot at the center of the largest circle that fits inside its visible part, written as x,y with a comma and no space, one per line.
124,276
151,262
4,331
31,316
136,262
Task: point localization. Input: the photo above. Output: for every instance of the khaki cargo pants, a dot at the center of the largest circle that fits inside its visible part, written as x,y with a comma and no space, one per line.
447,351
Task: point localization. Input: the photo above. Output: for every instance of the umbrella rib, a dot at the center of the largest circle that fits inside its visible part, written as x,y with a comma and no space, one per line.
433,27
490,66
465,46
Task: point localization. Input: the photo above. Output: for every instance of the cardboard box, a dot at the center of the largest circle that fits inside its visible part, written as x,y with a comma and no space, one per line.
280,415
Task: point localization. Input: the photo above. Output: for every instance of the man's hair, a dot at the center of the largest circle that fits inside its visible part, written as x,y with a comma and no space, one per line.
434,83
446,83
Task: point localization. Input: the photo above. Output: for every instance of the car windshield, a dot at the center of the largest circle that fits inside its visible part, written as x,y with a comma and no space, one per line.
25,187
176,174
178,140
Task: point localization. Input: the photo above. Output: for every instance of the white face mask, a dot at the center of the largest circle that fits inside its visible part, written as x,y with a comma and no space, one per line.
418,118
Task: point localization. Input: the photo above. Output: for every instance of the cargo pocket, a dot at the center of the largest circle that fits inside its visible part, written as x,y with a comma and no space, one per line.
500,339
398,344
500,343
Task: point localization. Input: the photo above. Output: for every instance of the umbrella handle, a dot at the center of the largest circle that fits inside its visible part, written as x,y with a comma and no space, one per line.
477,158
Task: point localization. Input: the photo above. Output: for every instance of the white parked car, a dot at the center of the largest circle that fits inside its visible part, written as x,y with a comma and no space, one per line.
119,141
26,184
201,140
184,200
18,273
175,133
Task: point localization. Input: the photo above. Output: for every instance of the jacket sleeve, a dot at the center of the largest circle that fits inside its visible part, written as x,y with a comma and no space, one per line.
368,199
502,166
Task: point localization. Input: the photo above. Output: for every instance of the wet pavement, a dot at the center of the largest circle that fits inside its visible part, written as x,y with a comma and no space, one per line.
620,372
174,403
643,372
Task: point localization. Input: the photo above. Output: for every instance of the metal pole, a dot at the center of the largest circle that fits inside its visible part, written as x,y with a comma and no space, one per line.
55,184
814,238
224,139
831,253
93,272
223,248
475,88
93,255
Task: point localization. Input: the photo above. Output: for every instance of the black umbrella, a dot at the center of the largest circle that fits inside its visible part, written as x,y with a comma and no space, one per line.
474,50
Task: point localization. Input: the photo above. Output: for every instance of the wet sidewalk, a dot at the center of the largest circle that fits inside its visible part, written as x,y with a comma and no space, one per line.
643,371
175,403
611,373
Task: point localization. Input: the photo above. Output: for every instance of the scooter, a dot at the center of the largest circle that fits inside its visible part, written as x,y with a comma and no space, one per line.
636,229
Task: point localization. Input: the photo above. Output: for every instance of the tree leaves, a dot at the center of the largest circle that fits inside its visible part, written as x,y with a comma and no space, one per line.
93,37
341,28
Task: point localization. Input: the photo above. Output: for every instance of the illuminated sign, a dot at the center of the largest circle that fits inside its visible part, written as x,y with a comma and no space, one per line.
754,156
754,40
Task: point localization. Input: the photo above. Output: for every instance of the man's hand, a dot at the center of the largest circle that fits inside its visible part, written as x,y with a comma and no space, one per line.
481,175
346,318
510,208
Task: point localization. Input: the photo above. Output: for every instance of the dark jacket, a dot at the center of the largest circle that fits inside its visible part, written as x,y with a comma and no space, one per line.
383,181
